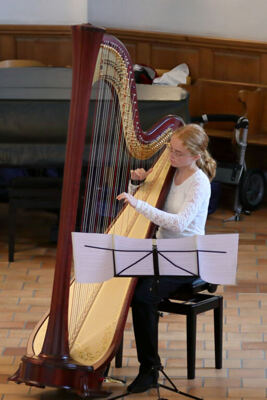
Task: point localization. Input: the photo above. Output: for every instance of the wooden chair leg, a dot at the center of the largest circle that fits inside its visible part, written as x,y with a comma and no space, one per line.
191,326
119,354
218,333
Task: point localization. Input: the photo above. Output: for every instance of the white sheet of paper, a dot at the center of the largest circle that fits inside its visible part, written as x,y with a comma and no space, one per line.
130,256
218,267
185,257
92,265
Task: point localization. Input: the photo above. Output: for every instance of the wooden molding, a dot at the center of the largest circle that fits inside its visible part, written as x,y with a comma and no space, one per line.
36,30
173,38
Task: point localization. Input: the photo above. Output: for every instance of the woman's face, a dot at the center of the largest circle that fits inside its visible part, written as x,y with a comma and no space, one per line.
179,155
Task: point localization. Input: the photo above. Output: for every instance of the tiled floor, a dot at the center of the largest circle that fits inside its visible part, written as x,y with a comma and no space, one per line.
25,287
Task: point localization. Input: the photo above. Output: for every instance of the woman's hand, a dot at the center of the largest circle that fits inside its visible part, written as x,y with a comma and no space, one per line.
128,199
140,174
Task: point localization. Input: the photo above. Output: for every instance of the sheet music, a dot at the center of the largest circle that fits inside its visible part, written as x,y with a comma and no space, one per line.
178,256
99,257
220,264
137,258
94,259
92,264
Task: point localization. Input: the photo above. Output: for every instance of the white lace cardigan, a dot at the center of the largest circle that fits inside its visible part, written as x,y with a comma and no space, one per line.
185,209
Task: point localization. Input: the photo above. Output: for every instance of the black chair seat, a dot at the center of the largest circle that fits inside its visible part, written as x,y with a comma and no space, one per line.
190,289
190,301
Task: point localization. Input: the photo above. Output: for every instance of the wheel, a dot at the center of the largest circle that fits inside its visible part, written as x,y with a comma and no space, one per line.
252,189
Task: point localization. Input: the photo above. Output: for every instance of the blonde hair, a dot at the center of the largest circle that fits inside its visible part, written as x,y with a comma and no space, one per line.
195,140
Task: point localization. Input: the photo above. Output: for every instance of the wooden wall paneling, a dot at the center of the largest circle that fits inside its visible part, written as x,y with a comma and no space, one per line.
191,57
236,66
54,52
193,91
48,44
215,97
143,53
163,57
215,58
263,71
167,57
131,47
264,116
7,47
256,110
206,63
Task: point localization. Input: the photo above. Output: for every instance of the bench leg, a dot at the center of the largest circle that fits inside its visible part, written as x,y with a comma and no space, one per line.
218,333
191,326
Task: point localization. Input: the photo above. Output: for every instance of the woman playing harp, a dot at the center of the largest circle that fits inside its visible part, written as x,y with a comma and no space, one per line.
73,344
184,214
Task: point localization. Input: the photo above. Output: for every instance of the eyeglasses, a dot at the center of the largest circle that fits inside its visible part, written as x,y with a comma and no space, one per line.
177,153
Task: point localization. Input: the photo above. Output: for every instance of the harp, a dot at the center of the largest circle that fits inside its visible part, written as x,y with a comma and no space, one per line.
73,344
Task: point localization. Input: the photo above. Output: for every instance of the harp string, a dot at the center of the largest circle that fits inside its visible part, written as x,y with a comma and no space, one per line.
101,129
105,115
104,118
112,126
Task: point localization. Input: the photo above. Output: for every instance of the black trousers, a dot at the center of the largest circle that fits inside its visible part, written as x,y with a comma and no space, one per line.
147,296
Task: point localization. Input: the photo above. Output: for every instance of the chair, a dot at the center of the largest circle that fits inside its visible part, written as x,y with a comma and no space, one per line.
190,302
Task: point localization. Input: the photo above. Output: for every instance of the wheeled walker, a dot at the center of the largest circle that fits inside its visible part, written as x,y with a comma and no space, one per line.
249,183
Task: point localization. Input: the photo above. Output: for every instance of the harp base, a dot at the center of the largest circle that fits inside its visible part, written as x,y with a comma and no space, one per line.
63,374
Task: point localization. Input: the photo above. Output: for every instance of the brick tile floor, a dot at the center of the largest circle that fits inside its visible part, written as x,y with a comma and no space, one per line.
25,288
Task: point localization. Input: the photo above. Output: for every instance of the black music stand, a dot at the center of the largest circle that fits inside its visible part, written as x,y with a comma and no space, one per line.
104,266
155,253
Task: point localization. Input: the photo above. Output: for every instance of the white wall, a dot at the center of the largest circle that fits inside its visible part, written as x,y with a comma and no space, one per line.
240,19
43,12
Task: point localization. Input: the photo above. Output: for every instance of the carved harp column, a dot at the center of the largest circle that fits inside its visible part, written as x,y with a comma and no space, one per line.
73,344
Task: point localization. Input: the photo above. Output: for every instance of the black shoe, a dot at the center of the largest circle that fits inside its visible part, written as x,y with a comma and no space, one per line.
146,379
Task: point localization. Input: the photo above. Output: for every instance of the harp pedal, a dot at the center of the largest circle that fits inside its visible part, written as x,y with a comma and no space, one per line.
110,379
